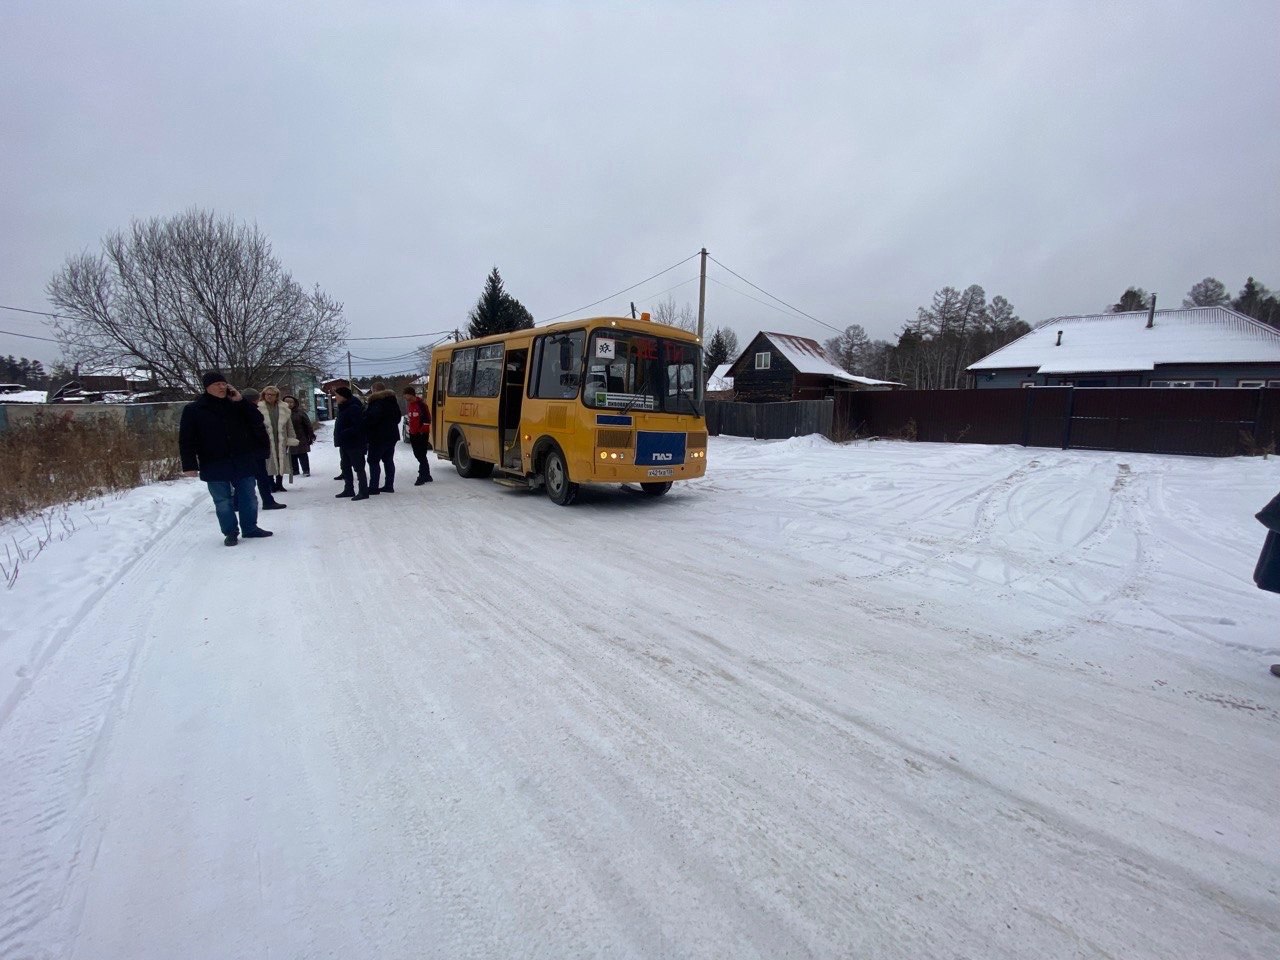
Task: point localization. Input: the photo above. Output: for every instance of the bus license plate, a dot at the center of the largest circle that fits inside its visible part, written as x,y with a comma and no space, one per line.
662,472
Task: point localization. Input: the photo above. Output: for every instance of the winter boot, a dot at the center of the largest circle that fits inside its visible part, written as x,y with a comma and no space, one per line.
362,496
345,493
257,532
230,540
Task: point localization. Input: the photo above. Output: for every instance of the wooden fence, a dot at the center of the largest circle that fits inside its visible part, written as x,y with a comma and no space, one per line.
770,421
1214,423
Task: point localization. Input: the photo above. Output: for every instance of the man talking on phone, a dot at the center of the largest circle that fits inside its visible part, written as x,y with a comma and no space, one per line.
222,438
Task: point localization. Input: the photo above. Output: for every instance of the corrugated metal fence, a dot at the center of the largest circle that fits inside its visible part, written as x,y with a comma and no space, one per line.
1215,423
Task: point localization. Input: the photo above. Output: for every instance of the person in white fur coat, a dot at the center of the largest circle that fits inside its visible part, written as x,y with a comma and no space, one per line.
279,420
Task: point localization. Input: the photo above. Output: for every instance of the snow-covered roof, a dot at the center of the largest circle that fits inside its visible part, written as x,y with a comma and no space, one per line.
807,356
1108,342
24,396
720,379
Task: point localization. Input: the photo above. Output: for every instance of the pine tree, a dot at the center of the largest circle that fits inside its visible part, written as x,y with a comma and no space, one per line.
717,352
497,311
1257,301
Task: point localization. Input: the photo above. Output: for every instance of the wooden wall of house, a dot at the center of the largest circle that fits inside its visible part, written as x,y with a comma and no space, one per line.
774,385
813,386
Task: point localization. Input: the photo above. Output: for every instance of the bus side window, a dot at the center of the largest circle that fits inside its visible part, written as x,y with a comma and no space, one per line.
464,368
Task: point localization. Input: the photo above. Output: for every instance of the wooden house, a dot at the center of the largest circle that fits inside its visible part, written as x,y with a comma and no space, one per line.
781,367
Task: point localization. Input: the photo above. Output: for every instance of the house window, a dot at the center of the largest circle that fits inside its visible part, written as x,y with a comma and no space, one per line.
762,360
1183,383
1251,384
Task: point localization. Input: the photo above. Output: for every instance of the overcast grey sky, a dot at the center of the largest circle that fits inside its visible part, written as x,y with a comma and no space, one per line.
849,158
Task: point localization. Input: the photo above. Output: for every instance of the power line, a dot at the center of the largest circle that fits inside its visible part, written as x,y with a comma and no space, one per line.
38,313
766,303
400,336
779,299
619,293
29,336
398,356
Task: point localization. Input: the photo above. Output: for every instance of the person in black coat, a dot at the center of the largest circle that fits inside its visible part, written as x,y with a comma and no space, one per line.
1267,573
221,438
382,423
352,442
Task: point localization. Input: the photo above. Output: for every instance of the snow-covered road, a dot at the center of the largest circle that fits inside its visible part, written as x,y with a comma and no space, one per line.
877,700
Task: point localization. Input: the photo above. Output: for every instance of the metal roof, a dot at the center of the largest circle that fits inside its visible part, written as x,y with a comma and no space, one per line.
1106,342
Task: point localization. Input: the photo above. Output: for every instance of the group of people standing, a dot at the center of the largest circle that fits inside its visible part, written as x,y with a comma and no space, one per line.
243,444
370,433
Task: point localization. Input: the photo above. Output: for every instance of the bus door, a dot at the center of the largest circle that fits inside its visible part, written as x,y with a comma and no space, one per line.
513,372
439,382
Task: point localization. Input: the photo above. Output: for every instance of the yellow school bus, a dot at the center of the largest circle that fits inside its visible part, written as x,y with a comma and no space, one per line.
605,400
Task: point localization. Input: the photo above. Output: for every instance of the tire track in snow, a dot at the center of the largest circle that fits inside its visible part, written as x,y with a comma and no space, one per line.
54,644
49,750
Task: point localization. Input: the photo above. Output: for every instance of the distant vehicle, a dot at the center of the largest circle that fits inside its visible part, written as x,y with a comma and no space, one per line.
605,400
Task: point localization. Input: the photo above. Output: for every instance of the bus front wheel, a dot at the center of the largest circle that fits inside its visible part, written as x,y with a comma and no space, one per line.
560,488
656,489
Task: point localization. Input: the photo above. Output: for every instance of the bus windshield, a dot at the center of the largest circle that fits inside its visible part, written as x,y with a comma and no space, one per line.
633,371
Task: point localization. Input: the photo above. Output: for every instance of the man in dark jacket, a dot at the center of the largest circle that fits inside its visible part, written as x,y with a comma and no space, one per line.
1267,573
221,438
350,439
382,424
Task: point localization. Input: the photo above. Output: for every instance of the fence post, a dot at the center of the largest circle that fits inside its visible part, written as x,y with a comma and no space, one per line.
1026,416
1066,427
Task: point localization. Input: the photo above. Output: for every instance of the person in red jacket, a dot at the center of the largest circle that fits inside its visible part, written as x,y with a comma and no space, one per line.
419,415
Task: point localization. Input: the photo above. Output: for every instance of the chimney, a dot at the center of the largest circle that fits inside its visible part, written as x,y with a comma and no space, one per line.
1151,313
1059,343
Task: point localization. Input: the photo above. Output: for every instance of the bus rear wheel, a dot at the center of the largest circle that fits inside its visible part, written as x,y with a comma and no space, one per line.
656,489
465,465
560,488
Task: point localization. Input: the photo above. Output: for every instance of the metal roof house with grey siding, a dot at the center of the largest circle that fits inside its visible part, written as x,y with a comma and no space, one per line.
1188,347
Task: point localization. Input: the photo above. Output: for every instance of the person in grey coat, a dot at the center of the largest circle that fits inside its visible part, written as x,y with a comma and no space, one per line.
1267,573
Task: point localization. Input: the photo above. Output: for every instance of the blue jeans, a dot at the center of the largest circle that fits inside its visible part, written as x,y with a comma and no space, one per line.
235,496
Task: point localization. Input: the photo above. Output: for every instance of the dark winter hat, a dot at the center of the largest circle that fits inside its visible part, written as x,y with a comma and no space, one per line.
213,376
344,392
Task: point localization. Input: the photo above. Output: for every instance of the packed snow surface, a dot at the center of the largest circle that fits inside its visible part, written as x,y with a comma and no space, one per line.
873,700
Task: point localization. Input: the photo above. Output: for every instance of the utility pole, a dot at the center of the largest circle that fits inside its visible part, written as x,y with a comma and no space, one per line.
633,309
350,382
702,293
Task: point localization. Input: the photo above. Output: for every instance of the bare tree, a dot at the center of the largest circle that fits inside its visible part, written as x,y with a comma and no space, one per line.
1209,292
666,311
850,350
189,293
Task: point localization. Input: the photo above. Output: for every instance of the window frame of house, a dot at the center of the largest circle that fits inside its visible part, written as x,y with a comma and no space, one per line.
768,360
1201,384
1251,384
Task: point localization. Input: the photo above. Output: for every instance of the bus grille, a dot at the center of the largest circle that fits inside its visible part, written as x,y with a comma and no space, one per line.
613,438
697,441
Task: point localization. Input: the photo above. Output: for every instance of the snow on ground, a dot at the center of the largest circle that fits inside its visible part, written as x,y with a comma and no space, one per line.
884,700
